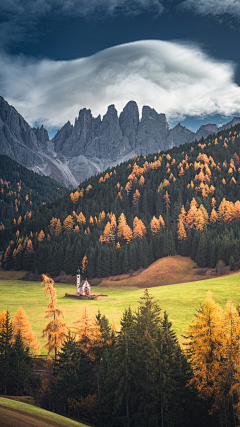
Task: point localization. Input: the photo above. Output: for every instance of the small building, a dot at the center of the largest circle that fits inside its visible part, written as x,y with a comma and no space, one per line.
83,288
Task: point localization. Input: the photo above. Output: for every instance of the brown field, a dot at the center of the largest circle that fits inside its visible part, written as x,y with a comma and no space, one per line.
11,275
18,414
165,271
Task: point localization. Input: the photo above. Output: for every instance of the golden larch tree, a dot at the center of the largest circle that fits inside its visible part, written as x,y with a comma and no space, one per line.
213,217
68,224
41,236
22,324
191,215
167,202
81,218
155,225
88,334
136,197
74,196
52,225
181,230
204,345
237,210
56,330
84,264
139,229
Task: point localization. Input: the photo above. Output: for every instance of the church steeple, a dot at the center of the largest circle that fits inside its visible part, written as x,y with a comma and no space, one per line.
78,281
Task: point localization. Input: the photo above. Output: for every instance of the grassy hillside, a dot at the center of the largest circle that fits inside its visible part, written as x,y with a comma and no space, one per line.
180,301
164,271
18,414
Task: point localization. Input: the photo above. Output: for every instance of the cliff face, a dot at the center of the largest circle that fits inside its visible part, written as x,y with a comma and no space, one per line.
92,144
17,139
114,137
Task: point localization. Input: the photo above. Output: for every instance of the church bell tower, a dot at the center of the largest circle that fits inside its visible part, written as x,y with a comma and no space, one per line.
78,281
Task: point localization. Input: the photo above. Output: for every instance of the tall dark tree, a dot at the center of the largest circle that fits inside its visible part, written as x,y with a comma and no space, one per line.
6,352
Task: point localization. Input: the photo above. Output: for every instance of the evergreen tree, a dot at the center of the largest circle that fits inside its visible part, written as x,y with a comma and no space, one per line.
6,334
21,367
202,252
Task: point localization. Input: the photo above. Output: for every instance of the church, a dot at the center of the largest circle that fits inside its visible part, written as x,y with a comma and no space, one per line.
83,288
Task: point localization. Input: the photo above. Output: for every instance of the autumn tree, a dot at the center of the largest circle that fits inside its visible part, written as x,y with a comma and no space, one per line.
84,264
136,197
155,225
124,231
58,227
88,335
68,224
41,236
139,229
21,323
167,202
204,347
56,330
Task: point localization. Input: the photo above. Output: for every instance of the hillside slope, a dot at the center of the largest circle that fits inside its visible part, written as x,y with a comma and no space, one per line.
18,414
184,200
23,191
164,271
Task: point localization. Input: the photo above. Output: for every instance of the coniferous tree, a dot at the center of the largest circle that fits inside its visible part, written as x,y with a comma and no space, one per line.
202,252
21,367
6,334
56,329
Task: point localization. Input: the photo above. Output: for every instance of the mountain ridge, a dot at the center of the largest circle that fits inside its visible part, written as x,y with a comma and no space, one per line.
92,144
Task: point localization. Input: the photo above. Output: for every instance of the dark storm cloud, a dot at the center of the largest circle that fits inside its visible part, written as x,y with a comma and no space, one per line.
20,16
219,9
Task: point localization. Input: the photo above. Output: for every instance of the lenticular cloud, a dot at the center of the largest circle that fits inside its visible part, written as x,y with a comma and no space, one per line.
176,79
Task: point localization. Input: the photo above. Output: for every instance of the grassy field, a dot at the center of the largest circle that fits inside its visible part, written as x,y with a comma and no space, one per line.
179,300
18,414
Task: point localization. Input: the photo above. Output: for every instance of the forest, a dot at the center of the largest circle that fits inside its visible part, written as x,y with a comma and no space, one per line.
185,200
23,191
137,376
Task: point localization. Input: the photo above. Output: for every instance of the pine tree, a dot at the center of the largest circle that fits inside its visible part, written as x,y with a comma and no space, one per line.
202,252
6,334
65,369
21,366
72,374
124,368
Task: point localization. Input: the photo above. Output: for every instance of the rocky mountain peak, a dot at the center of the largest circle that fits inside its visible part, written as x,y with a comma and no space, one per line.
128,121
92,144
42,135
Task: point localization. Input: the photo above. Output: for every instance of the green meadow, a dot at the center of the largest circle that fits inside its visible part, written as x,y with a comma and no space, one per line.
180,301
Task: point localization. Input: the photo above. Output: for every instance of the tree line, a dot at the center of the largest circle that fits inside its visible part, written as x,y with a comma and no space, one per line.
137,376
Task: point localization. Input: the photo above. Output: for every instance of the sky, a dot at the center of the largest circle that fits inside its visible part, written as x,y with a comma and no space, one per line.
180,57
